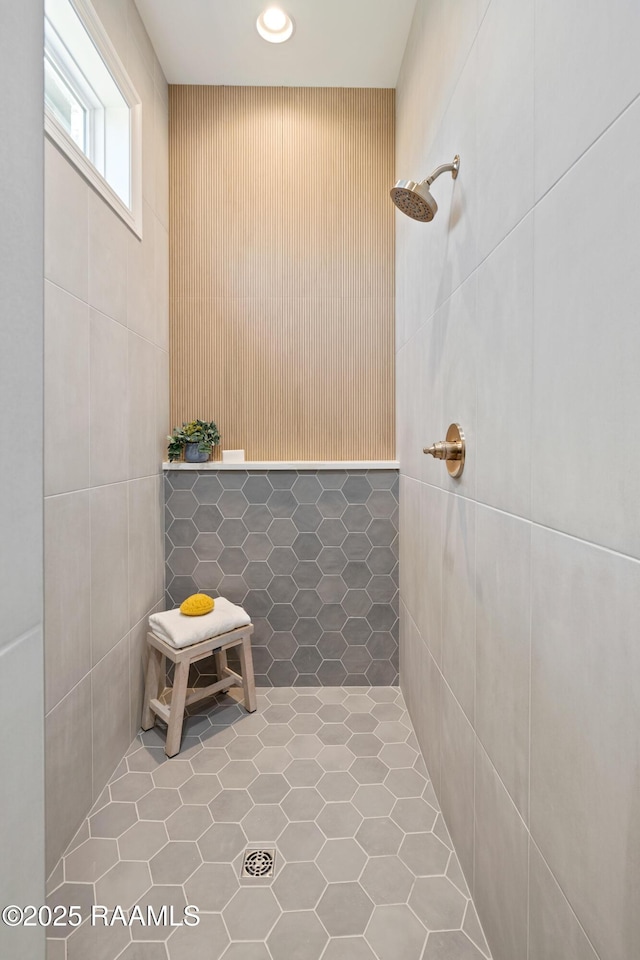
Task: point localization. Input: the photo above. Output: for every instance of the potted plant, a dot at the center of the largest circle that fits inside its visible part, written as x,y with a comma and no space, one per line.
197,439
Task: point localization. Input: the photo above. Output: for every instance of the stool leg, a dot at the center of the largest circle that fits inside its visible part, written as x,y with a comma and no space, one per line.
248,678
176,710
221,663
152,686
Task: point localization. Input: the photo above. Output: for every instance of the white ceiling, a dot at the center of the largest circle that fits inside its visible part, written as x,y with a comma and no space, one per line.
337,43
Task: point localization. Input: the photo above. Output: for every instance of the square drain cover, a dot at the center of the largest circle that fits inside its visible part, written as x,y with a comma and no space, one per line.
258,863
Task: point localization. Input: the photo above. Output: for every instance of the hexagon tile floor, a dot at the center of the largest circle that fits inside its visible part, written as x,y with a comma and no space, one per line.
333,780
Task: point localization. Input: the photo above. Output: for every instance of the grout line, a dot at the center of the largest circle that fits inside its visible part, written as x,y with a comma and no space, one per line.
479,741
531,210
90,499
15,642
543,858
531,839
98,486
531,488
586,150
533,523
89,672
107,316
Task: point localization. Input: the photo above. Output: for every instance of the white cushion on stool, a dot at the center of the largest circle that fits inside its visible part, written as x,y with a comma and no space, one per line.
180,630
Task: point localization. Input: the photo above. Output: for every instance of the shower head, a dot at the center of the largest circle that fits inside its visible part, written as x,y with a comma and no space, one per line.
415,199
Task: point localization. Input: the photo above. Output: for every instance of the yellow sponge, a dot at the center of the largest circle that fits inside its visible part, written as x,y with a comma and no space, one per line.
196,605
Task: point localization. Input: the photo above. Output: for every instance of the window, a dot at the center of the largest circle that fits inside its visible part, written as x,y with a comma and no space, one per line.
92,111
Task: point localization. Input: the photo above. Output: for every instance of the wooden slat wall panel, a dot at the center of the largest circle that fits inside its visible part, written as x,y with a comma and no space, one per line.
282,268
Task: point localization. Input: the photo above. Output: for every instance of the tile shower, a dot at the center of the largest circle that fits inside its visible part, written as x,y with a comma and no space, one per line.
333,780
515,313
311,554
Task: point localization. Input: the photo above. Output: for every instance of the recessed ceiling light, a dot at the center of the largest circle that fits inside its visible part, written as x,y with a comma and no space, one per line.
274,25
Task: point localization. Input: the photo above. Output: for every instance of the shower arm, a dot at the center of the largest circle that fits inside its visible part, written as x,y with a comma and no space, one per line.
451,168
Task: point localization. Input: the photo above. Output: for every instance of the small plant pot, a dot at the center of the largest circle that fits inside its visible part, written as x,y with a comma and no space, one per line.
193,455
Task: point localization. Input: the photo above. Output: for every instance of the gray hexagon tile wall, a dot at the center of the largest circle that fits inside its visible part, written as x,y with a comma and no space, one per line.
311,555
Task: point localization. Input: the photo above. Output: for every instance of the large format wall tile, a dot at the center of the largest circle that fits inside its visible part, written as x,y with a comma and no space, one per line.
21,784
312,555
66,215
459,600
110,700
585,741
419,407
21,478
516,315
421,682
580,93
500,864
68,760
457,370
586,345
451,251
504,342
143,518
161,270
428,568
109,410
106,416
505,119
66,428
138,656
107,260
421,559
503,647
432,261
457,776
142,414
67,591
109,567
554,930
141,278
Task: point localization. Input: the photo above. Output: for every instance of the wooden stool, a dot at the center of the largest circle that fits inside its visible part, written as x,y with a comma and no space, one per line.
181,697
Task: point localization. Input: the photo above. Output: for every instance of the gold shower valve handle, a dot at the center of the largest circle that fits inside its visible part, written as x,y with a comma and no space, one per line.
445,451
452,450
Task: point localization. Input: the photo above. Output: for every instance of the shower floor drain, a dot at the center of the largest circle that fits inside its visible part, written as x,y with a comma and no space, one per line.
258,863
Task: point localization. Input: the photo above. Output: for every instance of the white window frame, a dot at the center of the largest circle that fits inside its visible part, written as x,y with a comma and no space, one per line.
56,132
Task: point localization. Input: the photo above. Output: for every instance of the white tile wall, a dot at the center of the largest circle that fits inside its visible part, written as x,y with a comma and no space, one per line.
500,863
505,98
109,543
108,400
554,925
503,647
504,362
67,445
586,347
66,215
459,600
585,735
517,317
580,92
21,484
106,419
67,593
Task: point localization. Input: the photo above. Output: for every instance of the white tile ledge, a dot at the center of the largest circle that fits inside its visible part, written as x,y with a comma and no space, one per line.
287,465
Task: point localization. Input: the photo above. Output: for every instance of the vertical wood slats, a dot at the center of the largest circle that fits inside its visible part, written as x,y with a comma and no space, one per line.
282,268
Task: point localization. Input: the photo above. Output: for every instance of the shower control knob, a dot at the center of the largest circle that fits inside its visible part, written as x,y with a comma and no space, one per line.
444,451
452,449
